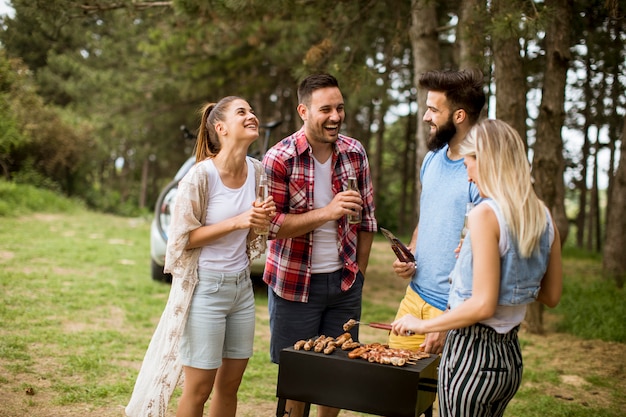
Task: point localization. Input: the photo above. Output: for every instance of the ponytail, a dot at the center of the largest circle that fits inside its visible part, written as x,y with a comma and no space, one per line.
207,142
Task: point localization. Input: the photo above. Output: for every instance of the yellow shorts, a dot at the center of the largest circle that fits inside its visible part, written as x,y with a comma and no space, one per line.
413,304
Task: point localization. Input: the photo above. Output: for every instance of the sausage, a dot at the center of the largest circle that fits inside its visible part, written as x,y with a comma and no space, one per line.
349,345
349,324
356,353
319,339
329,349
341,339
396,361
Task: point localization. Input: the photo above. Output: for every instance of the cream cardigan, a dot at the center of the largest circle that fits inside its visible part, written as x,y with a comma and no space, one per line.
161,370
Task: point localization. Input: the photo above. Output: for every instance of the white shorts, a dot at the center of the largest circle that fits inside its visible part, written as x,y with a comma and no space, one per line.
221,320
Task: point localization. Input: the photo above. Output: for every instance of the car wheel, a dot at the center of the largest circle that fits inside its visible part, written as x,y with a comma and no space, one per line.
158,274
163,208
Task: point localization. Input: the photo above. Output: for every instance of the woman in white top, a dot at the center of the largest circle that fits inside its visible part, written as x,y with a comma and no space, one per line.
511,256
207,328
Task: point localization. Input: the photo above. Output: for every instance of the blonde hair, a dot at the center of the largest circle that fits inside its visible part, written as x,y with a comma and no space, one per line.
504,176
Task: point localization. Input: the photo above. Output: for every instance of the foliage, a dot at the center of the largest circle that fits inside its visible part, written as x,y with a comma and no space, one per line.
173,62
40,144
113,81
23,199
10,135
388,213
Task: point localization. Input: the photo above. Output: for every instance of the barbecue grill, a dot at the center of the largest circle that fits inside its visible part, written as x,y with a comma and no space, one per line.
355,384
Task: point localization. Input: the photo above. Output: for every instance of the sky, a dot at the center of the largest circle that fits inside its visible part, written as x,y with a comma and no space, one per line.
5,8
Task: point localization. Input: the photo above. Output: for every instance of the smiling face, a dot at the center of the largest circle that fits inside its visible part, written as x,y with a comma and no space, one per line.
323,115
240,121
439,116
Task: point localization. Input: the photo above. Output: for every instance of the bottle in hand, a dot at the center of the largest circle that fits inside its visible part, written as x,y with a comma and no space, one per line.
353,185
260,198
468,208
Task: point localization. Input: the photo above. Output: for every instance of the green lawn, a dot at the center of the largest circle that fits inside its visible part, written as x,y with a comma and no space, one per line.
78,309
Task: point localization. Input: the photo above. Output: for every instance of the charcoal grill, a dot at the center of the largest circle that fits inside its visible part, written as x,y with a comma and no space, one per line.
355,384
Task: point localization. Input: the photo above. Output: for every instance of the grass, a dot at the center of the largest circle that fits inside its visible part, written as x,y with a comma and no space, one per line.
78,308
591,307
21,199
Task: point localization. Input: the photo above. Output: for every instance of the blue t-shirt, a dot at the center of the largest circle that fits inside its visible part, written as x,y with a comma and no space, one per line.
445,193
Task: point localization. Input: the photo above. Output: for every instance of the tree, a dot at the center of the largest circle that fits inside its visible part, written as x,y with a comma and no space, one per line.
548,163
509,74
425,46
598,61
614,261
472,42
38,144
10,136
134,71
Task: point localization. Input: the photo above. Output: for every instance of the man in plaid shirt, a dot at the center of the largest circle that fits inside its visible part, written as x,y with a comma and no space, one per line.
317,259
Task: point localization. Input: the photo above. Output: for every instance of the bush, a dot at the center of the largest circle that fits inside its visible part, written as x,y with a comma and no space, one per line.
20,199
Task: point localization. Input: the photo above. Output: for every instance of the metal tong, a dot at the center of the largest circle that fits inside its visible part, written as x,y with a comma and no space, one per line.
402,252
383,326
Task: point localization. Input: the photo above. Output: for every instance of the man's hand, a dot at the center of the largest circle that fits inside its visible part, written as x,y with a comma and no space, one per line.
345,203
434,343
341,205
404,270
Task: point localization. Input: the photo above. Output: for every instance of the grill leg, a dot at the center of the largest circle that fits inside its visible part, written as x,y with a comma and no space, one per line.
428,412
280,408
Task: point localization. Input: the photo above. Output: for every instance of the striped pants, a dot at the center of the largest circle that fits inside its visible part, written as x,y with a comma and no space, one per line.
480,372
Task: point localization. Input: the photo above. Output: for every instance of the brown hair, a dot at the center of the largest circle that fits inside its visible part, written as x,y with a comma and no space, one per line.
312,83
463,89
207,143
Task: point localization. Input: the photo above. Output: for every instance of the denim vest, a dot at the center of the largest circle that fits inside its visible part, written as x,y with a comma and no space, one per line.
520,278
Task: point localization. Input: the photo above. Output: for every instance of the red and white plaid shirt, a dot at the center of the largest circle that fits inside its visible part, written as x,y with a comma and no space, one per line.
290,170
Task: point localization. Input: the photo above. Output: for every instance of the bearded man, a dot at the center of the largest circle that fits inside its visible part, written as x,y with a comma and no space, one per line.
454,103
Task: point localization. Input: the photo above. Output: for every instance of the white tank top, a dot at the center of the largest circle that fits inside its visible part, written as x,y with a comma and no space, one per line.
228,253
325,257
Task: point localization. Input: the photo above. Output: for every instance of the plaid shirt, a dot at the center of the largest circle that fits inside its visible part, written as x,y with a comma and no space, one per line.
289,166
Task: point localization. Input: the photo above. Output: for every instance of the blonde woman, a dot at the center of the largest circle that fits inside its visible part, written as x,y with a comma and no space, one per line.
207,328
510,257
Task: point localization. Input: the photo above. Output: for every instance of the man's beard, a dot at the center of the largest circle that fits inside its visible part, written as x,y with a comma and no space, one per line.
442,136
